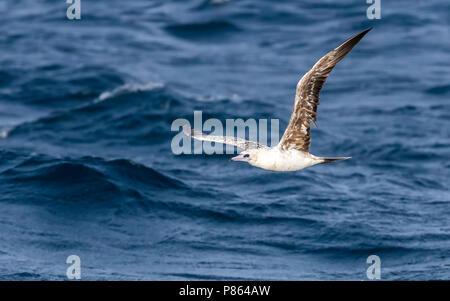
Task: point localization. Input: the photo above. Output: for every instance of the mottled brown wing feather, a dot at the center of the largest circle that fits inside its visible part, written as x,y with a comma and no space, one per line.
297,134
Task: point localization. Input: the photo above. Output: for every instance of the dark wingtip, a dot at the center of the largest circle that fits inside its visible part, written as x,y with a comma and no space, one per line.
363,33
348,45
356,38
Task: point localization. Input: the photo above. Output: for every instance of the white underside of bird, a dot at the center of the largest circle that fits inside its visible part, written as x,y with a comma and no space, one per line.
276,159
292,153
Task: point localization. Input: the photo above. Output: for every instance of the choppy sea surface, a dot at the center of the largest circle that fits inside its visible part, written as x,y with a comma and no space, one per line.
86,166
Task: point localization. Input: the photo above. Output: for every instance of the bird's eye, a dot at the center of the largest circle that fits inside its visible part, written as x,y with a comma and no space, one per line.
246,155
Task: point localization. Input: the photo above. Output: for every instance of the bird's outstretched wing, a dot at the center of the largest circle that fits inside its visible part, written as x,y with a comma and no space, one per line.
297,134
239,142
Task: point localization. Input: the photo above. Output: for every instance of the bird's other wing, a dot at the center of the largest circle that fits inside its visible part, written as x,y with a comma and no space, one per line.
297,134
239,142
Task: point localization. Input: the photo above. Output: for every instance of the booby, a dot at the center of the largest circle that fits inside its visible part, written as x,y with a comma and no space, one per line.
292,152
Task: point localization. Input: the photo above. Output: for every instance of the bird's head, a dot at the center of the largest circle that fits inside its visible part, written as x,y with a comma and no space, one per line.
249,156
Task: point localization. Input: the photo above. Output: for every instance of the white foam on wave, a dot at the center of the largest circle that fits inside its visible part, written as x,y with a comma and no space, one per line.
130,87
219,97
4,133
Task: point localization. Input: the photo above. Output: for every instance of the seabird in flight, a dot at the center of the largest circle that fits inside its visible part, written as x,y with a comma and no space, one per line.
292,152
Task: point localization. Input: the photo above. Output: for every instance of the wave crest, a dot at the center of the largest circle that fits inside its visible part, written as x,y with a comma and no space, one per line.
128,88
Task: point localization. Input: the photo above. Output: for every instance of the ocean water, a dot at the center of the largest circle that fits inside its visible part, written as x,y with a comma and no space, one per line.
86,167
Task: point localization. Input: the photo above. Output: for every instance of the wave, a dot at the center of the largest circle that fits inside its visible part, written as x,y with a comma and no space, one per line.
214,30
4,133
128,88
131,112
60,87
438,90
87,180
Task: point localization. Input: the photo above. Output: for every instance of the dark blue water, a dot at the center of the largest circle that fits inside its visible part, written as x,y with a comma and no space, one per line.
86,165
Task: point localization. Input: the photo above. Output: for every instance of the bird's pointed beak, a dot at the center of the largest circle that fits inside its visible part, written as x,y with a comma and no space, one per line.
240,157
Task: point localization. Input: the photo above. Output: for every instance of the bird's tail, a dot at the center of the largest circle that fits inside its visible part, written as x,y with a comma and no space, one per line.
329,160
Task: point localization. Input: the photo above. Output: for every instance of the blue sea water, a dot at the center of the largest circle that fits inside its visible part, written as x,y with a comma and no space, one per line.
86,166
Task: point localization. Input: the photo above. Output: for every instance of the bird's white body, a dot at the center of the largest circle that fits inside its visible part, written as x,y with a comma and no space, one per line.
276,159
